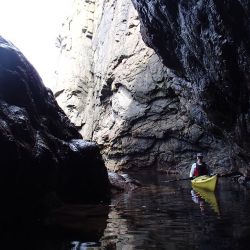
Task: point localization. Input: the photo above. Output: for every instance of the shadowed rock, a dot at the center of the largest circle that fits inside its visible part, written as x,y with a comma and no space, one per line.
42,154
206,44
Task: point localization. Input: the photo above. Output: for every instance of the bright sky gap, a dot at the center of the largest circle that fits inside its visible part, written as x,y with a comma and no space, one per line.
33,25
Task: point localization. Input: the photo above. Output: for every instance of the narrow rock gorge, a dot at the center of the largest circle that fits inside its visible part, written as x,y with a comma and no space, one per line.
154,89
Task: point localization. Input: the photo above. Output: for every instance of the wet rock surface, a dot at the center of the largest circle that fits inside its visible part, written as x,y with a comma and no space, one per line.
206,44
122,182
43,158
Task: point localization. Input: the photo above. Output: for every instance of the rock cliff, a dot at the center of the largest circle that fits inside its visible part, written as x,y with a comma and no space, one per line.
157,107
207,44
42,153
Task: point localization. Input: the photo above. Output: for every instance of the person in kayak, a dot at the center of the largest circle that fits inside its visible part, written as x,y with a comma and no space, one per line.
199,167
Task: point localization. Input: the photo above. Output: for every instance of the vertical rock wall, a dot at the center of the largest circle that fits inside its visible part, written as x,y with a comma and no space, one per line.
119,93
207,43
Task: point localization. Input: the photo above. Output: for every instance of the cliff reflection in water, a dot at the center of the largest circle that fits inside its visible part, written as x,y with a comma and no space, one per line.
160,215
66,228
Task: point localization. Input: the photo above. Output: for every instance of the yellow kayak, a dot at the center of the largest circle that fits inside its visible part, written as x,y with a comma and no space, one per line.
205,182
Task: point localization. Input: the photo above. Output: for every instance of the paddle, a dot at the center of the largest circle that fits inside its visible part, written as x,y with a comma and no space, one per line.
183,179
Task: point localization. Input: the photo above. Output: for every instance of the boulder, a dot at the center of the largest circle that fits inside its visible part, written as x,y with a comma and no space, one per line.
42,154
121,182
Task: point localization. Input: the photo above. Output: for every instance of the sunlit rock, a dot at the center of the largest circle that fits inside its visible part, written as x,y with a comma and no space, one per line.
143,112
123,97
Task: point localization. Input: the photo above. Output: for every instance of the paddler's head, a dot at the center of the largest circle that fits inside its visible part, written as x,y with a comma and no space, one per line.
199,157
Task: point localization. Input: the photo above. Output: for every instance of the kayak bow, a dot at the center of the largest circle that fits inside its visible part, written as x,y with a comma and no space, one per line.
205,182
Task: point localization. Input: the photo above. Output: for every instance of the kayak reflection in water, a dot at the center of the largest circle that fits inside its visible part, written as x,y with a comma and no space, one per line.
198,200
201,197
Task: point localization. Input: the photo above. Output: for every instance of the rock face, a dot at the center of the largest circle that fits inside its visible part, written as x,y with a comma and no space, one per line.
207,44
146,109
42,154
116,90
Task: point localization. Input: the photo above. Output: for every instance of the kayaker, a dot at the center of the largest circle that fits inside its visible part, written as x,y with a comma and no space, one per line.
199,167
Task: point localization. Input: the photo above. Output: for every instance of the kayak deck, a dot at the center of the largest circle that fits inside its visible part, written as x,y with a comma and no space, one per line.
205,182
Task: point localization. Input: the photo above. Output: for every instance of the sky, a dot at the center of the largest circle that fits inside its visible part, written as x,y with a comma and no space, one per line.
32,26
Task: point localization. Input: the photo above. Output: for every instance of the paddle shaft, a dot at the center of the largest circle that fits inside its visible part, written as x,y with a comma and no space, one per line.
184,179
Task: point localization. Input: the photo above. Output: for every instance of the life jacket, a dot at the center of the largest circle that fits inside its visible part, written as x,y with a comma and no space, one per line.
200,170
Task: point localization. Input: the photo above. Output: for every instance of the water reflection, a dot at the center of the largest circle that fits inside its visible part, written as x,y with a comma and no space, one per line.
72,227
201,197
157,216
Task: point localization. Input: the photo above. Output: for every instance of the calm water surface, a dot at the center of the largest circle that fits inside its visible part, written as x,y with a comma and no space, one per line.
163,215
